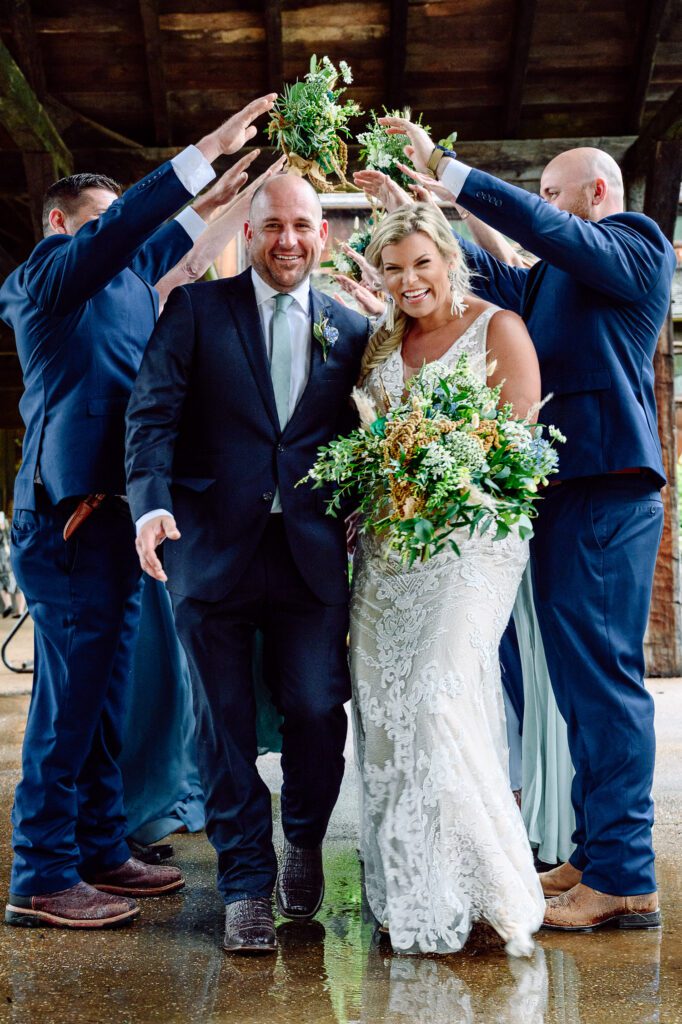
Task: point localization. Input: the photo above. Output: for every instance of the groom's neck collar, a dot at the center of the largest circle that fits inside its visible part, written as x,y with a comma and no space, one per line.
301,293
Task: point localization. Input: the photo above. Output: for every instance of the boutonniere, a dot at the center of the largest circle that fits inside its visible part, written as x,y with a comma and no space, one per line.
326,334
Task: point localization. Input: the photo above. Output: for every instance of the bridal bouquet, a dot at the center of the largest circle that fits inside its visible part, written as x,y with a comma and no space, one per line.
444,459
308,121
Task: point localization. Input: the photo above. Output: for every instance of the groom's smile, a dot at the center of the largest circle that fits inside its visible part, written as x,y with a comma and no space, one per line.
285,233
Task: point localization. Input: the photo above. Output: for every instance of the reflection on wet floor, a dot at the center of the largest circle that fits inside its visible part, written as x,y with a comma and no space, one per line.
169,965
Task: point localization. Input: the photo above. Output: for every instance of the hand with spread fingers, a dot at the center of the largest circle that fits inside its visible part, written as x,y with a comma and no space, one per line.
151,535
210,204
421,145
365,298
379,186
237,130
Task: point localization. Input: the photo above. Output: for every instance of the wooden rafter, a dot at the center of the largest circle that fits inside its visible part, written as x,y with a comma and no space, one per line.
664,126
26,44
274,44
655,13
518,66
396,56
149,12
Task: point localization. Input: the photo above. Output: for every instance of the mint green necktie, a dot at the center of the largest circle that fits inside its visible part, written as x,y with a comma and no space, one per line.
280,357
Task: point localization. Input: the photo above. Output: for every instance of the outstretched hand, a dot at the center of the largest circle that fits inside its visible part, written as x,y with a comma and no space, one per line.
364,297
379,186
226,187
420,146
425,183
237,130
152,534
370,277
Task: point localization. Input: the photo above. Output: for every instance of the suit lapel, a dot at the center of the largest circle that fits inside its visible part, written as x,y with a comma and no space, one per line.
535,277
246,317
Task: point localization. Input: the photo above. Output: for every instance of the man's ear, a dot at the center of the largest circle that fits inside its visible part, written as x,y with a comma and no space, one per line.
599,192
248,233
324,230
57,222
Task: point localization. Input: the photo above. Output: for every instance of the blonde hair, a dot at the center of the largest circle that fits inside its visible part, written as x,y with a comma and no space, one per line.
428,219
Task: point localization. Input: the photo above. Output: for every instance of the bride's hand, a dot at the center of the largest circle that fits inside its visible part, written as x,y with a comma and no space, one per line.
421,145
381,187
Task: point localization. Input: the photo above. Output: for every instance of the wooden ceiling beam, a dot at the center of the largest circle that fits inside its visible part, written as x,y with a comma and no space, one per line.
396,55
518,66
27,47
274,44
644,66
664,126
149,13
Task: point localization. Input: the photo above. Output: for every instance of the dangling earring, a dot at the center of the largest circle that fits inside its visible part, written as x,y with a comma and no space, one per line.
457,305
389,322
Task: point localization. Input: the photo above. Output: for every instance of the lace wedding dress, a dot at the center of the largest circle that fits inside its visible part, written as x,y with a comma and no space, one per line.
443,840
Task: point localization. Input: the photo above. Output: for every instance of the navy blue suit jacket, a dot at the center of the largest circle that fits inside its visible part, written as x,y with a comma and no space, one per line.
204,439
82,308
594,306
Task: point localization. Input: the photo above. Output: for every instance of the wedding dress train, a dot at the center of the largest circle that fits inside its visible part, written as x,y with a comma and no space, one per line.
443,840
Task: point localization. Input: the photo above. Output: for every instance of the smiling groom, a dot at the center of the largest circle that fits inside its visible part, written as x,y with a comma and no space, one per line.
235,394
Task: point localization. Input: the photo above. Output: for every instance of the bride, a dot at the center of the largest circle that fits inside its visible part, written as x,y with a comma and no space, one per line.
443,841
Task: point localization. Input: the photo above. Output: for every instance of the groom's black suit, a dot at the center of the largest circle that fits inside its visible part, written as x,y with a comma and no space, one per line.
204,443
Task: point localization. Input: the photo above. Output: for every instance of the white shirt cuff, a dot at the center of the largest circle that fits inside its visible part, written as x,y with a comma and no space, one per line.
193,169
454,175
147,516
193,224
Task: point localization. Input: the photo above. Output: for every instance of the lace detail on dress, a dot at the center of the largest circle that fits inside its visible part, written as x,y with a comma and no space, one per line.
443,841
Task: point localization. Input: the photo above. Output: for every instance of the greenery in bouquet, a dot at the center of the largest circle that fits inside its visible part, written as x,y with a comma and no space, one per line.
381,151
443,460
308,121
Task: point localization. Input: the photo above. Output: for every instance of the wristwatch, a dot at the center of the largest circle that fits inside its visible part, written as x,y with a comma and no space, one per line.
436,156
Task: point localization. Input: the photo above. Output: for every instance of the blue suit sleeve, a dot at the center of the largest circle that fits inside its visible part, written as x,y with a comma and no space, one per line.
164,249
493,279
155,406
621,256
65,271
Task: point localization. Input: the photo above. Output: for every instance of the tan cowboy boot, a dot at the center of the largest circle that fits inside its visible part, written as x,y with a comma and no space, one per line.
582,909
559,879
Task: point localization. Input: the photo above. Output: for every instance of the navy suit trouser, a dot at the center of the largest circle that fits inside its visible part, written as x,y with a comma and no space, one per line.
307,671
83,596
593,558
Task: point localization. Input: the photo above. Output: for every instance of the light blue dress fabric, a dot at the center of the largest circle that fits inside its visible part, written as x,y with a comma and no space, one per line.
158,763
547,771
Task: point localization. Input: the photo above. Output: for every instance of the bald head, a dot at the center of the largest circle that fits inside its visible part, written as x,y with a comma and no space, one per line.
285,233
586,182
283,187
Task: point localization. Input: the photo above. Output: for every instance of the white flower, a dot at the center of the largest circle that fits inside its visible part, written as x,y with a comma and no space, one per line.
346,73
556,434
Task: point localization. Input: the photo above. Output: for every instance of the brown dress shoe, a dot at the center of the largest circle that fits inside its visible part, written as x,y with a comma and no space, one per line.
582,909
559,879
135,878
300,883
249,927
81,906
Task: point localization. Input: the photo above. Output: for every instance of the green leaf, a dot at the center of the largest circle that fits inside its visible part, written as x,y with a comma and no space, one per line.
423,530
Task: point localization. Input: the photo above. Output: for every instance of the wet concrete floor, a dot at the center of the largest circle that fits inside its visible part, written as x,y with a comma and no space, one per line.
169,965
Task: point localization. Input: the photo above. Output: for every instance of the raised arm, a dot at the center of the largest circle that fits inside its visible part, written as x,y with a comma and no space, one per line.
62,274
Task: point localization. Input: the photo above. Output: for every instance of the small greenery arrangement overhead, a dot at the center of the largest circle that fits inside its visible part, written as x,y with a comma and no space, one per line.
358,241
442,464
308,121
381,152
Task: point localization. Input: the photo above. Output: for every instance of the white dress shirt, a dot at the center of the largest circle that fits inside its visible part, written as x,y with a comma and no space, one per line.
454,174
298,316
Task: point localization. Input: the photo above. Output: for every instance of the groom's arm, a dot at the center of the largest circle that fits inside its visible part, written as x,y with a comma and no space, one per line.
152,424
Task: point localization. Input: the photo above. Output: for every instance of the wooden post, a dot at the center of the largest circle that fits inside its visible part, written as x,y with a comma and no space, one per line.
663,643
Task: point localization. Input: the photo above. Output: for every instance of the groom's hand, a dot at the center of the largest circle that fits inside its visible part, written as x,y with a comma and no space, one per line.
421,145
237,130
153,533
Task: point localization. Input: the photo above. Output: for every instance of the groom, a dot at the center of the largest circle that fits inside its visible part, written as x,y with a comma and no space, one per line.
234,396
